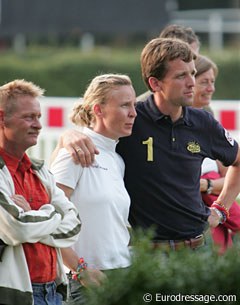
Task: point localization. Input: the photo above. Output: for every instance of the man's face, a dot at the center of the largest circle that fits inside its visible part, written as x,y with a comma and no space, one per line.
177,87
21,128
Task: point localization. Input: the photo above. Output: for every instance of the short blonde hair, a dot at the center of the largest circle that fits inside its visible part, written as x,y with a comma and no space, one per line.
96,93
12,90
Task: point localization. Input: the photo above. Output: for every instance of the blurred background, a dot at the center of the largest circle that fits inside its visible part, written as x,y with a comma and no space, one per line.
61,45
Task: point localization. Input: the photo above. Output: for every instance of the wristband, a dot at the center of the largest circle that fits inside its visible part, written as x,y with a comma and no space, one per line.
209,186
221,207
82,265
221,215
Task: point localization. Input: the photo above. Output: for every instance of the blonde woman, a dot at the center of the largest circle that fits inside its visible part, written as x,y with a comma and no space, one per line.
107,113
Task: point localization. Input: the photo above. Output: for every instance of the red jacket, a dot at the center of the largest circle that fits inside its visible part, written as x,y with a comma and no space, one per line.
222,234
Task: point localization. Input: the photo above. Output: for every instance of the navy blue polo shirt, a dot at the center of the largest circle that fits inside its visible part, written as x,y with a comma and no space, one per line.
163,167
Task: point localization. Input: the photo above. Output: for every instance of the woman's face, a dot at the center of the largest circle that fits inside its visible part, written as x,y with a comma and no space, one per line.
115,118
204,89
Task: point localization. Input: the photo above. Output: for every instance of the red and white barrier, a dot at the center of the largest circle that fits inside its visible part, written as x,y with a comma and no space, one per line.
55,112
227,112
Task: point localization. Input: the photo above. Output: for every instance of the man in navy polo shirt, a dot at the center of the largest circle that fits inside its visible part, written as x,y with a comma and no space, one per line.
163,155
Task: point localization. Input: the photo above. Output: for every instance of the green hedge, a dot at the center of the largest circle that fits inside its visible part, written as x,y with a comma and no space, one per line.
66,72
182,274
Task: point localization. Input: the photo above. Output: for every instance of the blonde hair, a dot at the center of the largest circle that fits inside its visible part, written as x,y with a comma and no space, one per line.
97,92
12,90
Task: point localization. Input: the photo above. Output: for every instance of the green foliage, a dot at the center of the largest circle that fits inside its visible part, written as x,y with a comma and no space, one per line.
196,274
67,71
227,83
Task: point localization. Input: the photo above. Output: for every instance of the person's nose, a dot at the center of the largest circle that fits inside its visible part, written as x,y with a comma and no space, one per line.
37,124
191,81
210,87
133,112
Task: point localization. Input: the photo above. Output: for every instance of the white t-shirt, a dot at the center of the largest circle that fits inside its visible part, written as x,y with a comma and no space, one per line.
102,201
209,165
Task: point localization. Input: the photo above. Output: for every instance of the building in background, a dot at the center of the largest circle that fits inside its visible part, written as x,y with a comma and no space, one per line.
217,24
61,20
126,22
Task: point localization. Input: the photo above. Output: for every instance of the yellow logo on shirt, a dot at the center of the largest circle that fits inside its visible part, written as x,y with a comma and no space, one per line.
193,147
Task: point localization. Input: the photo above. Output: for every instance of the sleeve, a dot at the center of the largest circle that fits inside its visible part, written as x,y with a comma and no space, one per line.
19,227
65,170
223,146
66,233
44,225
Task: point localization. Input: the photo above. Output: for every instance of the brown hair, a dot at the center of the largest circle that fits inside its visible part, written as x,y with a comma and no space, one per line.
12,90
203,64
96,93
180,32
158,52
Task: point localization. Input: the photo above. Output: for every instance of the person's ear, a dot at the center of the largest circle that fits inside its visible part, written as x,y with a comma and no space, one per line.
97,110
154,83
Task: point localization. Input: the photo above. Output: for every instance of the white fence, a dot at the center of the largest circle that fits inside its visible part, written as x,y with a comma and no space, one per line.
214,22
55,111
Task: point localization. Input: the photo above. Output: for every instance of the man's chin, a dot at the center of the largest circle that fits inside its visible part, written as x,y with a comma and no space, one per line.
188,103
32,143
